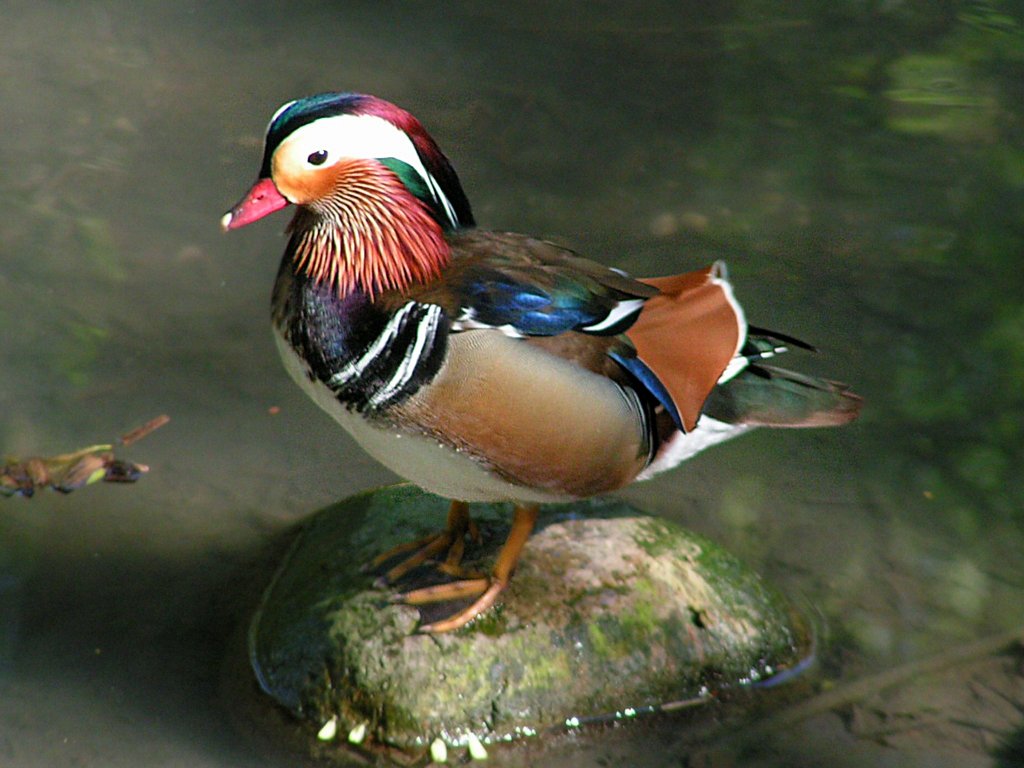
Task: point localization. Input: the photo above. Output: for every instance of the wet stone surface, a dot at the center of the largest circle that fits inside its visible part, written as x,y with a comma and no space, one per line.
610,611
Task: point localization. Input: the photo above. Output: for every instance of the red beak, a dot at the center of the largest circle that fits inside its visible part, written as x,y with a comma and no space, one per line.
262,200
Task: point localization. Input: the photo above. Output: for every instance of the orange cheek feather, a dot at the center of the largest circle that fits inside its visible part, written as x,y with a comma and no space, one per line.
307,186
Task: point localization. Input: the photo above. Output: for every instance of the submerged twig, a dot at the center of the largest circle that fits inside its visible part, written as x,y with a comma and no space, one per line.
140,432
67,472
859,690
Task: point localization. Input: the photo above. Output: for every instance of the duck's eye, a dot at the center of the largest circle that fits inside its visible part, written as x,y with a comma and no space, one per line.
317,158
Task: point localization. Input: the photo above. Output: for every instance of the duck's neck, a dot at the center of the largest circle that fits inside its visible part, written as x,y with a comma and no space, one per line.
370,235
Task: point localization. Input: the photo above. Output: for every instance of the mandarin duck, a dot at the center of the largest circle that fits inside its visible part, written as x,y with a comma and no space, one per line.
487,366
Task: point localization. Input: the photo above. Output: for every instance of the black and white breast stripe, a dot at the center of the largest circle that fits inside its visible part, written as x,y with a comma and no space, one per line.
404,355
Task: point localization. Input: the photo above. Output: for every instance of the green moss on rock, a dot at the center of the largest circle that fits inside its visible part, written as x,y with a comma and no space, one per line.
609,609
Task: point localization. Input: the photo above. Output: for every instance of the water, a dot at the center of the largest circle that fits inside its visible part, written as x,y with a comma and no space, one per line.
859,165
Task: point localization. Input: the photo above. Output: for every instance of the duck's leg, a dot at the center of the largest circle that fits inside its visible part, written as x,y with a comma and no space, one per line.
488,589
452,538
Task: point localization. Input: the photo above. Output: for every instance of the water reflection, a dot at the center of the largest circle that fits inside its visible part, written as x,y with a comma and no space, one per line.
860,165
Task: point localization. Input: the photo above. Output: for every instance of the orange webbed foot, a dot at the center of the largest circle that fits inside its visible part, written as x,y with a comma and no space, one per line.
485,589
452,539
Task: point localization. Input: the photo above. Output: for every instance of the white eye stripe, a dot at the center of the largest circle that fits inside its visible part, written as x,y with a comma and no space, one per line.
354,136
358,136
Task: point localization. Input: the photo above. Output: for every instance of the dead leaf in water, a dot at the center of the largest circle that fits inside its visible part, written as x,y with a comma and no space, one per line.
69,471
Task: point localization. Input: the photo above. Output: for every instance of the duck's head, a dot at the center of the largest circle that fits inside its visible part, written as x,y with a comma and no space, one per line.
318,146
374,193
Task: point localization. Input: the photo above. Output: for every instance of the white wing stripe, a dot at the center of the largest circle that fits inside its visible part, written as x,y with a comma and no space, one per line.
620,311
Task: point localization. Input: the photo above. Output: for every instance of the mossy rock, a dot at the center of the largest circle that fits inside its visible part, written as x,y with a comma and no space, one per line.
610,611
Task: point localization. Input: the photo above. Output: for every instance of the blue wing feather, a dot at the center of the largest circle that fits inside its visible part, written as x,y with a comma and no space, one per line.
492,298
